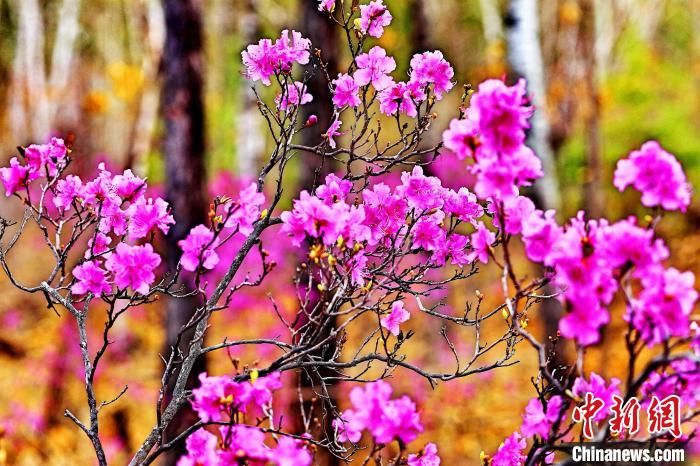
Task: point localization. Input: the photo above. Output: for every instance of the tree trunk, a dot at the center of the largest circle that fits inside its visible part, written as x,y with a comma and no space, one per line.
322,32
525,56
184,145
593,195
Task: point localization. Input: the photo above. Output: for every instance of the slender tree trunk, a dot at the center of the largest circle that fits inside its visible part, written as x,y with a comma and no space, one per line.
593,199
525,56
322,33
420,41
184,145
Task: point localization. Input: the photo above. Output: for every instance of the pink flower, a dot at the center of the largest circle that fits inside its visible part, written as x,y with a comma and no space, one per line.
97,245
201,450
662,309
334,189
422,192
91,279
42,158
461,138
332,132
598,387
293,95
68,190
199,249
385,213
481,241
292,48
427,233
374,67
127,185
510,453
537,421
583,324
627,243
326,5
397,316
291,452
463,205
114,219
345,91
516,211
14,177
244,445
657,174
427,457
246,211
431,68
374,17
386,419
260,61
147,215
401,97
540,233
263,60
217,396
501,114
133,267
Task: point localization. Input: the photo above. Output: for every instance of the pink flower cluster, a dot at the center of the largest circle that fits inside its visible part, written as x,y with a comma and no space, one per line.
40,160
492,133
539,421
657,174
589,256
122,211
266,59
374,410
219,399
199,247
419,207
242,444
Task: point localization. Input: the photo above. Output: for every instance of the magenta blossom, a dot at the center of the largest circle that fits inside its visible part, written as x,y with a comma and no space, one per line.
374,67
657,174
345,91
91,278
510,453
332,132
133,267
384,418
199,249
537,420
600,389
293,95
145,216
397,316
374,17
427,457
431,68
246,211
401,97
68,190
14,177
326,5
481,241
201,450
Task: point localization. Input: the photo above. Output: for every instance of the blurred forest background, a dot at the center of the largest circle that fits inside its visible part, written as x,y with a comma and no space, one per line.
606,75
